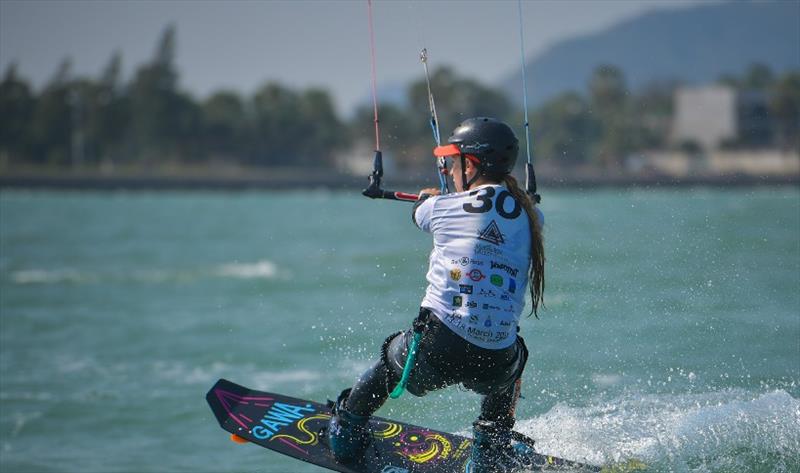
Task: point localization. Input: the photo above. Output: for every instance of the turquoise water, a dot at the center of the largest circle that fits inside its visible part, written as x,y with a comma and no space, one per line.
672,329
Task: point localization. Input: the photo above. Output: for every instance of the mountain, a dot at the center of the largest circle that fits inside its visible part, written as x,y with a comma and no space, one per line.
694,45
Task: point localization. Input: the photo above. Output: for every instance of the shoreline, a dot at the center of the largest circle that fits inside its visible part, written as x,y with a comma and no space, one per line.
289,180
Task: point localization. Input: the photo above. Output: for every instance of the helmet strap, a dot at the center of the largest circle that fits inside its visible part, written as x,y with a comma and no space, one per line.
468,184
464,182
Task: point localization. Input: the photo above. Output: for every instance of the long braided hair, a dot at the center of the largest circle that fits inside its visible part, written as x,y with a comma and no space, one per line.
536,269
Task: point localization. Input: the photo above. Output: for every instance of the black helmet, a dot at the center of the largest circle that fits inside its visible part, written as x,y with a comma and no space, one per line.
489,141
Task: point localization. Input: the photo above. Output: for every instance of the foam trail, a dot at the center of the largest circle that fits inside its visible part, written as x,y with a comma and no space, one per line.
723,431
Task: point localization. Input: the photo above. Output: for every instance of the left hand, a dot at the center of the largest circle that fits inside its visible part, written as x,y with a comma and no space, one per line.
429,191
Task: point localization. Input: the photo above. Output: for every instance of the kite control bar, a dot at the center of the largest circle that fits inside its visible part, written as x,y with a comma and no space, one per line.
374,191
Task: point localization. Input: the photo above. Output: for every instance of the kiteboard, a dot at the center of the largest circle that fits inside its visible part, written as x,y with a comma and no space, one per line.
296,427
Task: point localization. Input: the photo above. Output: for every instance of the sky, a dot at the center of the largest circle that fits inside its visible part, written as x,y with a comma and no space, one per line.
240,45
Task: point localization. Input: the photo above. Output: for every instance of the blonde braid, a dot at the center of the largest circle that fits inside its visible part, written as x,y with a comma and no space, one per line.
536,269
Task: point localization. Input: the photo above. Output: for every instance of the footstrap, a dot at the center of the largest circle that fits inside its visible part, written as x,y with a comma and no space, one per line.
522,438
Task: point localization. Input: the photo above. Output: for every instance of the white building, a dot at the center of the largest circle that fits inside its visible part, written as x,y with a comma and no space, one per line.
714,115
705,115
732,129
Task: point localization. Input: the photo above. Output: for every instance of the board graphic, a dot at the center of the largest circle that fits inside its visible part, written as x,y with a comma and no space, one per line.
295,427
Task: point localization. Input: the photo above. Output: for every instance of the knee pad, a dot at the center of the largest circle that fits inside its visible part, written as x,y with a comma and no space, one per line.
393,355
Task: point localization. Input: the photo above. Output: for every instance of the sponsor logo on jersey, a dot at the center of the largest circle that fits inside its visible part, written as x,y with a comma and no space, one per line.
511,271
476,275
471,304
490,307
505,297
512,285
505,323
486,250
465,288
454,320
492,234
478,333
487,322
496,280
473,318
487,293
466,261
457,301
455,274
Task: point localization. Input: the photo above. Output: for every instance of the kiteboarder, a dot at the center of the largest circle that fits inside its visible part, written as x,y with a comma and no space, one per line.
487,250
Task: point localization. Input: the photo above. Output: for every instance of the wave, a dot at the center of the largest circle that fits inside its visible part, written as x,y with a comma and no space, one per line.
259,270
272,380
262,269
178,372
51,276
726,431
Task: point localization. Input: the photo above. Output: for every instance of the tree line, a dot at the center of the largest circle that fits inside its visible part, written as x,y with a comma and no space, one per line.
149,121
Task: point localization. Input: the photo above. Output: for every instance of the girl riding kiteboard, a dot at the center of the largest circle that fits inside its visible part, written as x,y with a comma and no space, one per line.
487,249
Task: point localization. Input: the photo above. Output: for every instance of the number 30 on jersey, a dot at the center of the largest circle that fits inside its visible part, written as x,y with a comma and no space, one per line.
485,203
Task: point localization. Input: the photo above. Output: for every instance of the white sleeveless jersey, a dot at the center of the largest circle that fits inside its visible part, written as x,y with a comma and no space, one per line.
478,271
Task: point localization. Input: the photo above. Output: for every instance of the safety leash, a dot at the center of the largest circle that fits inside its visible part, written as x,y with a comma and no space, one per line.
412,355
420,323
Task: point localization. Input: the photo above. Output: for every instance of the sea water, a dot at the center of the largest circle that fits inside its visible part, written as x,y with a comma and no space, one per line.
671,333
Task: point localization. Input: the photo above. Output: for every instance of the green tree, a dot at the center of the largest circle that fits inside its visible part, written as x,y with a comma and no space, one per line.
53,119
164,121
295,128
225,126
188,128
785,109
756,123
564,130
610,105
322,131
275,125
457,98
16,109
652,112
109,114
757,77
400,135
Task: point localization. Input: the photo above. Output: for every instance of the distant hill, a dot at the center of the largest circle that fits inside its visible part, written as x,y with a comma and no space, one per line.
695,45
